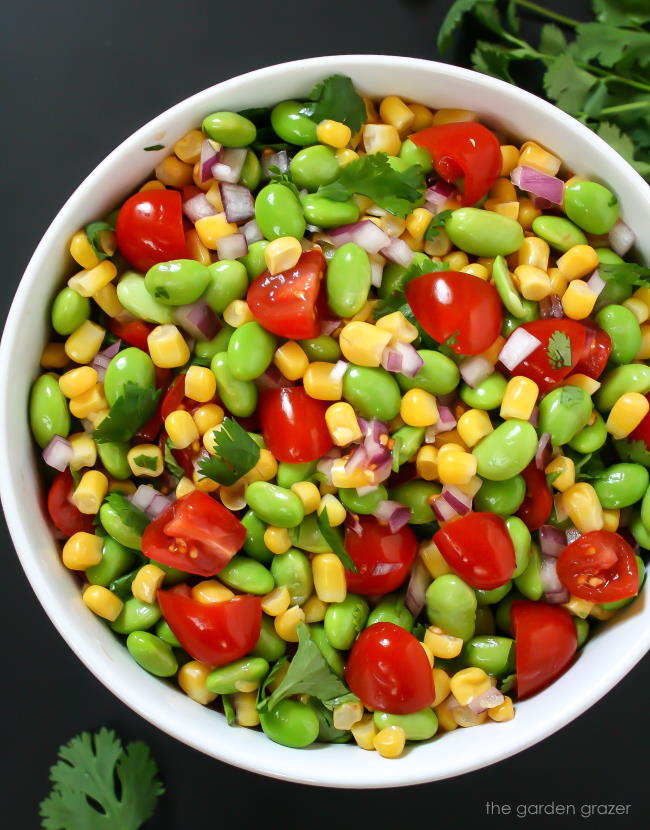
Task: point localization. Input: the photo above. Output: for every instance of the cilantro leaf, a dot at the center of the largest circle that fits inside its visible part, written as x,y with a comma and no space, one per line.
626,273
607,44
552,40
446,347
235,453
93,232
635,451
278,177
147,461
131,515
153,147
623,145
567,84
492,59
172,466
333,702
130,411
336,98
228,710
397,298
559,350
622,12
327,732
334,541
374,177
572,396
439,221
89,769
449,25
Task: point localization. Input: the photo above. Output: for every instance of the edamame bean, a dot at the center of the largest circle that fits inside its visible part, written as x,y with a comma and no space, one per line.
123,585
172,575
484,232
251,172
324,348
645,510
332,657
638,530
419,726
502,616
239,396
344,620
372,391
621,485
69,311
113,455
247,575
591,206
392,609
290,723
289,473
366,504
254,261
307,536
348,280
293,569
254,543
582,630
521,541
230,129
228,281
152,654
207,349
250,351
635,377
178,282
165,633
275,505
487,394
116,560
501,497
328,213
590,438
411,154
506,451
558,232
451,605
494,596
270,645
529,583
48,410
226,680
113,524
495,655
314,166
292,125
504,285
564,412
607,257
128,366
416,495
407,441
278,212
132,293
614,292
439,375
484,621
135,616
624,331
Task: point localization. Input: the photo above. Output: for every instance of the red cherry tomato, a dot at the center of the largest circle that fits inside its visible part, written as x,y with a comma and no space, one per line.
285,303
149,228
134,332
537,366
642,432
383,559
195,534
65,516
479,548
466,148
599,566
538,502
546,640
174,397
185,457
388,670
598,347
293,424
453,303
214,634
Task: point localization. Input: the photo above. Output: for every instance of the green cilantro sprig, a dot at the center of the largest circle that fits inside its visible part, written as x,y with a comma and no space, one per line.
396,300
131,515
146,461
93,232
626,273
235,453
439,221
130,411
171,465
559,350
336,98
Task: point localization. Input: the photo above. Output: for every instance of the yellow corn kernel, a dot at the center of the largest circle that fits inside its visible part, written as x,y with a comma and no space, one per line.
449,437
363,343
464,716
395,112
88,283
563,471
364,732
213,228
423,117
509,158
82,550
196,178
266,467
82,251
200,384
441,644
433,560
125,486
626,414
398,326
444,713
532,155
329,577
84,343
333,133
320,384
211,592
95,417
347,714
390,741
277,601
145,460
188,148
365,314
196,249
173,172
102,602
468,684
282,254
208,417
237,313
503,190
356,478
456,467
577,262
381,138
558,283
439,246
600,613
314,609
426,462
509,209
581,503
587,384
441,686
245,706
578,607
210,441
291,360
474,425
534,251
334,509
308,494
453,116
233,497
54,356
342,424
476,270
527,213
346,156
286,623
78,381
206,485
154,184
519,398
578,300
503,712
638,308
92,400
457,260
277,539
492,352
106,298
419,408
418,222
184,487
191,679
611,520
84,451
429,654
534,283
167,347
643,294
89,493
181,429
213,195
147,582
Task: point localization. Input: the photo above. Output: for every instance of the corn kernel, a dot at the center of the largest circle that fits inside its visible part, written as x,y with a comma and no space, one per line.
333,133
102,602
237,313
211,592
394,111
423,117
453,116
456,467
457,260
277,601
188,148
88,283
439,246
418,222
245,706
95,417
503,712
626,414
444,714
357,478
277,539
400,329
320,384
441,686
534,283
181,429
364,732
211,229
82,251
329,577
342,424
527,213
390,741
89,493
419,408
581,503
578,300
563,471
167,347
154,184
363,343
600,613
308,494
503,190
638,308
208,417
286,623
173,172
291,360
347,714
93,400
509,209
587,384
465,717
54,356
532,155
535,252
642,294
81,551
184,487
84,343
84,451
577,262
346,156
474,425
426,462
468,684
644,349
578,607
145,460
381,138
314,609
519,398
282,254
433,560
196,249
509,158
333,508
611,520
449,437
147,582
429,654
476,270
191,679
107,299
200,384
78,381
213,195
365,314
441,644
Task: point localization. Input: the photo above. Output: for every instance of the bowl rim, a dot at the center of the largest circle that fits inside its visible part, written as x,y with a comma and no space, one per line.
237,752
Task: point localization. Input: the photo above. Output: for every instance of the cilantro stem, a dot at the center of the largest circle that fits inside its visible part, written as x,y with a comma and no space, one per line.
560,18
633,105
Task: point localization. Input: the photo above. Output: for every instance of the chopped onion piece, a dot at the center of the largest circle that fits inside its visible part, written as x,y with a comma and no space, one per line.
324,466
339,370
393,513
365,234
359,458
552,540
58,453
443,510
551,306
596,283
365,491
252,232
572,533
198,207
439,193
538,183
488,700
621,238
456,498
402,358
534,417
197,319
446,422
419,581
232,247
143,497
398,251
543,445
328,326
475,369
518,347
229,167
354,524
279,160
238,203
210,155
383,469
550,580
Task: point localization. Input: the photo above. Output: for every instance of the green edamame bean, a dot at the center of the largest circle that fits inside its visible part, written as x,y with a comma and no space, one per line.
254,261
638,530
529,583
391,279
226,680
113,455
502,616
48,410
250,351
230,129
416,495
135,616
344,620
239,396
484,621
635,377
624,331
293,569
290,723
365,505
494,596
254,543
289,474
419,726
510,323
274,505
152,654
69,311
501,497
128,366
205,350
622,485
590,438
247,575
645,510
251,172
122,586
439,375
113,524
228,281
116,560
487,394
607,257
451,605
591,206
348,280
503,283
328,213
278,212
521,541
172,575
270,645
324,348
411,154
307,536
314,166
178,282
506,451
483,232
372,391
564,412
408,441
332,657
292,125
558,232
391,609
165,633
495,655
582,630
132,293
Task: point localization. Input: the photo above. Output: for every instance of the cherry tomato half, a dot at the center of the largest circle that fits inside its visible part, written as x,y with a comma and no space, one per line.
642,432
293,424
174,397
65,516
149,228
546,640
195,534
479,548
554,359
599,566
215,634
285,303
538,501
598,347
383,558
451,303
133,332
388,670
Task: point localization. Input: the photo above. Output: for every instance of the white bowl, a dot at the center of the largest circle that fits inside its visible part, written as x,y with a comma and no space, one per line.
606,659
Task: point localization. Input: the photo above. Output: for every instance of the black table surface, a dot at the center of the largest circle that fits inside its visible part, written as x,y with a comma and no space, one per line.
77,78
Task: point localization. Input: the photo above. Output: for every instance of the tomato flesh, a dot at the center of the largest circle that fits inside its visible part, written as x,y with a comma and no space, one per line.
538,502
149,228
479,548
383,558
598,347
64,515
133,332
293,424
599,566
537,366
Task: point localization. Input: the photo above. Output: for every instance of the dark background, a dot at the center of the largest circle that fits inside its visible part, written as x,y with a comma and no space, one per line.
77,78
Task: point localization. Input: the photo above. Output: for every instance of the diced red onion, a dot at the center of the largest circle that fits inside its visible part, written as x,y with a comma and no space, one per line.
365,234
340,368
552,540
398,251
197,319
273,379
404,357
393,513
416,590
327,326
491,698
58,453
540,202
112,350
518,347
534,417
158,504
373,429
538,183
558,598
376,272
365,491
439,193
543,445
353,523
232,247
456,498
229,166
443,510
358,459
102,359
572,533
324,466
279,160
445,423
475,369
252,232
550,306
149,500
198,207
621,238
209,157
596,283
383,469
558,505
551,584
238,203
